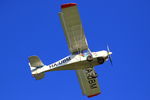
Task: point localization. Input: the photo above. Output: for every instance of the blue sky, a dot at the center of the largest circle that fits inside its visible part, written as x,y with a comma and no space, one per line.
32,27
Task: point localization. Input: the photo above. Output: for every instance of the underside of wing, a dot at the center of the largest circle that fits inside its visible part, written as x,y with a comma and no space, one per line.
88,83
73,28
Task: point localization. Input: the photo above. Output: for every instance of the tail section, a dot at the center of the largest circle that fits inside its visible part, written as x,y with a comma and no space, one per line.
35,63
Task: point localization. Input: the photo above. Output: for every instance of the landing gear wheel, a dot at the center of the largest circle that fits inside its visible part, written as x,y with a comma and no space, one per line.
89,58
100,60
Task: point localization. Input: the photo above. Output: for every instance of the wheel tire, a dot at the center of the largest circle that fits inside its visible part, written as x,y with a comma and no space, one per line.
100,60
89,58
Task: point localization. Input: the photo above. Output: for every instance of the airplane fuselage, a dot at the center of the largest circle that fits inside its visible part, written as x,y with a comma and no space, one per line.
75,62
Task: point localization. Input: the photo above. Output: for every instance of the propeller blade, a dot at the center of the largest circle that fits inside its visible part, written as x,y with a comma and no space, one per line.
110,59
108,48
109,55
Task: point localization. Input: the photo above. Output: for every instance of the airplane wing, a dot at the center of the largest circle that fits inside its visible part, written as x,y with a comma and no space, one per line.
89,85
73,28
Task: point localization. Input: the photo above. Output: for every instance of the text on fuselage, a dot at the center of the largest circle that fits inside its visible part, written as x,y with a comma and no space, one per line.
60,62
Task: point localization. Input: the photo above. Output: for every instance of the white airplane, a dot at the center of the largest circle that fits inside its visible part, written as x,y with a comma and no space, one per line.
81,59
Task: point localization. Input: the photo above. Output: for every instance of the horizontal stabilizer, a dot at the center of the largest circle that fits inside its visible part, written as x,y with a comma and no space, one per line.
35,61
38,76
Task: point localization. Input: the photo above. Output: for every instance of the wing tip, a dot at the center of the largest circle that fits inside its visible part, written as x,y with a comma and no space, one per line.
94,95
68,5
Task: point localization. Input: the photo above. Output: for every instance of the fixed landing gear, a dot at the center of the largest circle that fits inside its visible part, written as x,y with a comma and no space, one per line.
89,58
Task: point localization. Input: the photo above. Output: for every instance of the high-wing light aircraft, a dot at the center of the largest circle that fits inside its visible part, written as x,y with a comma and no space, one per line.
81,58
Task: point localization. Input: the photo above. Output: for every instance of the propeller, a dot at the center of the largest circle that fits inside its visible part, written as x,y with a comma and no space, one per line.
109,55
